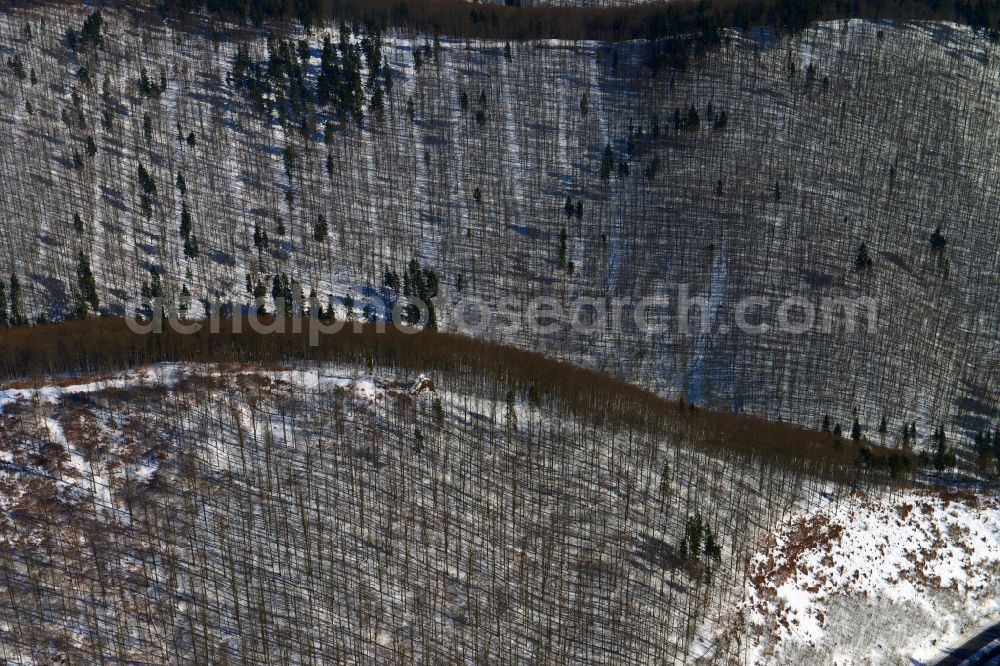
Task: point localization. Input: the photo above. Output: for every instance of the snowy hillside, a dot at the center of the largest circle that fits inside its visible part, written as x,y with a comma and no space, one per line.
468,166
316,514
760,426
881,580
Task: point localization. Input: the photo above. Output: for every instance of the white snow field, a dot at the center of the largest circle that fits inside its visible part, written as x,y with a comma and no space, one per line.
892,579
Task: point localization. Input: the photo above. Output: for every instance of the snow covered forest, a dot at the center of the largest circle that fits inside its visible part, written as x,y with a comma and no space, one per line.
586,493
452,502
328,513
201,163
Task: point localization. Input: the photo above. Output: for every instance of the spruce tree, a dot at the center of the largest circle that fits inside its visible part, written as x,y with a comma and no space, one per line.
146,181
438,412
713,550
944,457
321,230
863,260
85,282
856,430
260,239
185,301
17,317
185,221
191,247
693,121
665,478
607,163
289,157
91,36
938,242
511,410
349,307
377,103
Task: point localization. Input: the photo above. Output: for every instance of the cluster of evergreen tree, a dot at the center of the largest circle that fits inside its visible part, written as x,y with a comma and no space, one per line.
281,84
191,249
416,282
321,230
687,122
675,53
287,295
86,300
607,162
90,36
699,541
571,209
148,186
339,84
16,65
150,88
898,464
261,240
943,456
249,76
638,142
12,310
987,446
286,68
153,289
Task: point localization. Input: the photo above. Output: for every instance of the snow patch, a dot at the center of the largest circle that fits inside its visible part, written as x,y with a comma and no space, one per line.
931,558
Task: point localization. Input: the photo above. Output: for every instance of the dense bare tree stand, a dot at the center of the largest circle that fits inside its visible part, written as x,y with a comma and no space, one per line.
564,496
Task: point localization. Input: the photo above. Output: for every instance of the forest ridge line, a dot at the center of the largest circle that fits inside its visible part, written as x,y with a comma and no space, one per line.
705,18
698,20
